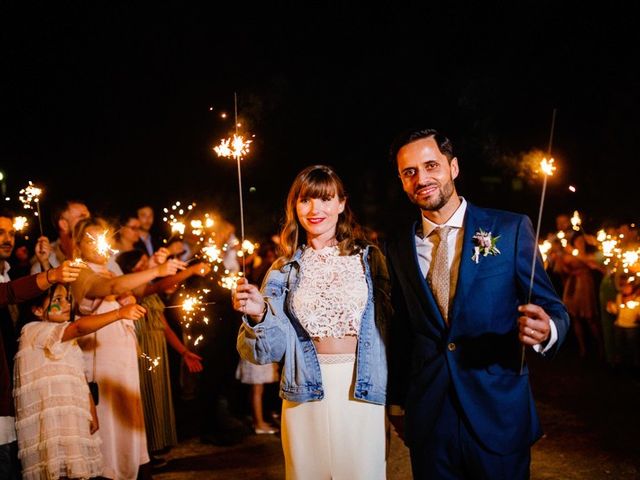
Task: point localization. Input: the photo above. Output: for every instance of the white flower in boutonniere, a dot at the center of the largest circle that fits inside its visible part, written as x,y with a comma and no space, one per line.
484,244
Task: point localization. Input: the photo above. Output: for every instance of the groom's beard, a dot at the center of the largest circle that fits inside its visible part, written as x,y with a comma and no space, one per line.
437,200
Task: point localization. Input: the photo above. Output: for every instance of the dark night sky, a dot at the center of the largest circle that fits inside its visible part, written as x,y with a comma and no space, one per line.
111,103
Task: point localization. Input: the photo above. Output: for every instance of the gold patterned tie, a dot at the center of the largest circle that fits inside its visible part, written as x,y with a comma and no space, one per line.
439,273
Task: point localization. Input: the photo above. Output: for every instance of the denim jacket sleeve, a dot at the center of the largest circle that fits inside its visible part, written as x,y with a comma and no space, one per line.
266,342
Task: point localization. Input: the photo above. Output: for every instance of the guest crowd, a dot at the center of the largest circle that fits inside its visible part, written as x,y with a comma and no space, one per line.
84,337
598,277
89,385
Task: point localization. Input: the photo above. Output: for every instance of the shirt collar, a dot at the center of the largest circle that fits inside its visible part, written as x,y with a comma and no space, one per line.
456,220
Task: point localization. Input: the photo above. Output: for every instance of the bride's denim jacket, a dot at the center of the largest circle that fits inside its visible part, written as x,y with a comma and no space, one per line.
280,336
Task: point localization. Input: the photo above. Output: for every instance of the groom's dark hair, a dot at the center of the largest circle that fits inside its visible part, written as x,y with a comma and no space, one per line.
409,136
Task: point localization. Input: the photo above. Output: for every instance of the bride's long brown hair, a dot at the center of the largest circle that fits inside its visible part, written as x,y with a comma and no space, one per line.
319,181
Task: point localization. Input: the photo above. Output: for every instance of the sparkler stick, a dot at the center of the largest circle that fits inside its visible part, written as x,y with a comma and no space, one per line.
236,147
547,168
31,194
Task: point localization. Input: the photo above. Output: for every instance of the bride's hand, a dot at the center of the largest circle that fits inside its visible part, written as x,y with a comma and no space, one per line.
248,300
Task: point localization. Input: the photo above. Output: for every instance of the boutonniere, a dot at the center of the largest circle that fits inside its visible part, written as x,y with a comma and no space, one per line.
484,244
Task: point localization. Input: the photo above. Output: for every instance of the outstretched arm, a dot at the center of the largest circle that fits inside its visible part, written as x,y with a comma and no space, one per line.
102,287
86,325
191,360
172,281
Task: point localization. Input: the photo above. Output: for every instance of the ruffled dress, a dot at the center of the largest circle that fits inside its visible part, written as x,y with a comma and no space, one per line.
52,406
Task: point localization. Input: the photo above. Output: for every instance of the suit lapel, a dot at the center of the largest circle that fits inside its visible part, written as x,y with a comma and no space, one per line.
419,282
474,220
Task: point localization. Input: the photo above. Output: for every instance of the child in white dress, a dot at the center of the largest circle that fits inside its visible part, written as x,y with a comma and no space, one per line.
56,421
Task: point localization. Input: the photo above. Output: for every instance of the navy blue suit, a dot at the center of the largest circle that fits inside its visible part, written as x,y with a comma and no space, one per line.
473,364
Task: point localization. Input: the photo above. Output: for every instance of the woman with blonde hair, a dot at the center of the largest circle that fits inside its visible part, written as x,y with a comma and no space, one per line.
322,313
111,355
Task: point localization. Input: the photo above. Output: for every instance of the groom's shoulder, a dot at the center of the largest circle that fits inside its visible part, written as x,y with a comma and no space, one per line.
500,216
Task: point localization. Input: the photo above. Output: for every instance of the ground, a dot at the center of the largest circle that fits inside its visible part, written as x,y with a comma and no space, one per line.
588,412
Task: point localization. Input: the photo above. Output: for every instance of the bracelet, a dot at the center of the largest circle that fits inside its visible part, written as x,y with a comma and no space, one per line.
47,277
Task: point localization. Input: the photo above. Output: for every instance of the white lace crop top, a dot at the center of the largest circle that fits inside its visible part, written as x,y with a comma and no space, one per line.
331,294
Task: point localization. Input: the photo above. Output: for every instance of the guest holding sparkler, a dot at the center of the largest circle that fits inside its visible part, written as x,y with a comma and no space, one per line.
153,335
322,313
56,419
111,355
11,293
460,279
148,241
127,236
580,293
65,218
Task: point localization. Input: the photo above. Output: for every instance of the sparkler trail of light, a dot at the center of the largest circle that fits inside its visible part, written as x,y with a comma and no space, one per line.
547,167
30,195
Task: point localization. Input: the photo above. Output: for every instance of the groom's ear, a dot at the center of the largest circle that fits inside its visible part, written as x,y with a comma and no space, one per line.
455,169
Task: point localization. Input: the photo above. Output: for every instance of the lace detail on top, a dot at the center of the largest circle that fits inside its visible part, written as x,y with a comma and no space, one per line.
331,294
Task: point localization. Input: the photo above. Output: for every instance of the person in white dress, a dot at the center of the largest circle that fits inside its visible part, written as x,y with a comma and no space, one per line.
56,422
111,355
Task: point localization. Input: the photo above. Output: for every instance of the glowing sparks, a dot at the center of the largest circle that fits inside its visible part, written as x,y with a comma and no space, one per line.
544,249
230,280
608,247
198,340
30,195
601,236
212,254
572,188
77,262
235,147
103,247
576,221
153,362
175,217
547,166
20,223
249,247
630,258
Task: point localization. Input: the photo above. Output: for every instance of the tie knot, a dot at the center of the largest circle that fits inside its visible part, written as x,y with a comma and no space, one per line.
442,232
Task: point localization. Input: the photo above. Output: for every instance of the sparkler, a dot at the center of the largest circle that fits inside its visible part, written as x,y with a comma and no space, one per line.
547,167
30,195
103,247
236,147
230,280
20,223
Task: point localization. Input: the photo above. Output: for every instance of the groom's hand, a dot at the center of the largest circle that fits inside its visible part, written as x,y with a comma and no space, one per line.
398,424
533,325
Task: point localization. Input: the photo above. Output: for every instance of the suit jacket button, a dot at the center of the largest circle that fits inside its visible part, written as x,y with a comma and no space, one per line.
451,347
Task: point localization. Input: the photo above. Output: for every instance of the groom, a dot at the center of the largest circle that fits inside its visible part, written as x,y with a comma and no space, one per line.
460,287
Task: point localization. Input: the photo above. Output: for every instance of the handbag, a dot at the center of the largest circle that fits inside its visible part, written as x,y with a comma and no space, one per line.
93,385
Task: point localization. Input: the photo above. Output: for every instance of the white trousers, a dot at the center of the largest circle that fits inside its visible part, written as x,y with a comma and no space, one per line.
338,437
